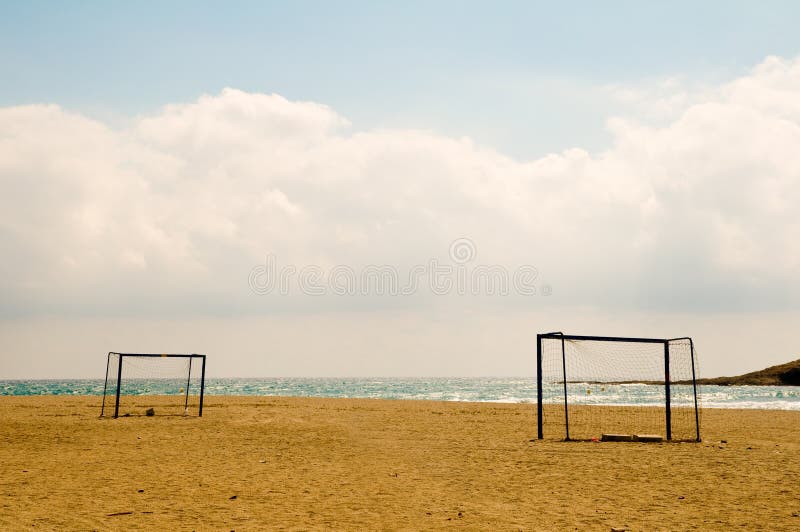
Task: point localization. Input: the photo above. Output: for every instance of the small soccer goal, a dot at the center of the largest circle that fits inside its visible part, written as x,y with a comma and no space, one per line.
616,389
143,384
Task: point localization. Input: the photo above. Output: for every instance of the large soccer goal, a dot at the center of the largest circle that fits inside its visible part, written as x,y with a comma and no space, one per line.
598,386
153,384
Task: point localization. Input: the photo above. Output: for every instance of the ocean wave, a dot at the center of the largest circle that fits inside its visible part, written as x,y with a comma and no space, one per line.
485,390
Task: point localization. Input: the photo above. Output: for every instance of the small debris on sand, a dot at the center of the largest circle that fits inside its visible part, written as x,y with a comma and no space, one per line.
150,412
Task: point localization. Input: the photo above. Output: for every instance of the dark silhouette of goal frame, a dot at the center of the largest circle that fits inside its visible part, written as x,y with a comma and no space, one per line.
191,357
667,383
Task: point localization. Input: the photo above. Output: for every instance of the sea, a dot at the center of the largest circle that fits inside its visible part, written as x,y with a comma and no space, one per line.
489,389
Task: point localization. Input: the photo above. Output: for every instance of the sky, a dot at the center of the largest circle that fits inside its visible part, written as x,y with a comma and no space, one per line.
402,189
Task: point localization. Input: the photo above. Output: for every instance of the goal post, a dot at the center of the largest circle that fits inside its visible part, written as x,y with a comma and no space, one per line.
591,386
148,383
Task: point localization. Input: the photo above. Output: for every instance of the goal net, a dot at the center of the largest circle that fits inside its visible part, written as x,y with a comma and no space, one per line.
591,386
139,384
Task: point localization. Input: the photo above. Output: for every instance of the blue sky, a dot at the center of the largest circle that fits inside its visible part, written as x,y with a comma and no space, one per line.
641,157
520,76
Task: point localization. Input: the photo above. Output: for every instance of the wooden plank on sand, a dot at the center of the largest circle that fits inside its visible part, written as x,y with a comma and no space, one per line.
616,437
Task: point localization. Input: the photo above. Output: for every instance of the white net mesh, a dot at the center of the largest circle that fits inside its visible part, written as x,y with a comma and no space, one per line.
167,384
617,387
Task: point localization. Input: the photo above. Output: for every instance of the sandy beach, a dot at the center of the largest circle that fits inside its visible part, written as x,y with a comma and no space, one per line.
298,463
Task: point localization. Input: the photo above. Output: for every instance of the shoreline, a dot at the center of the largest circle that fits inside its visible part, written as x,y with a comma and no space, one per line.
758,407
480,390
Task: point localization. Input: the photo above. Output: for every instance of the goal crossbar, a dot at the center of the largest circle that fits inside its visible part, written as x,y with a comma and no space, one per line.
559,336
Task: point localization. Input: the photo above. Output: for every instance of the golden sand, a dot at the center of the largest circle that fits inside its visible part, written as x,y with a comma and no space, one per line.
267,463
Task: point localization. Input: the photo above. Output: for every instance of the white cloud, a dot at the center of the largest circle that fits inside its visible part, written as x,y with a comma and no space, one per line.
172,212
